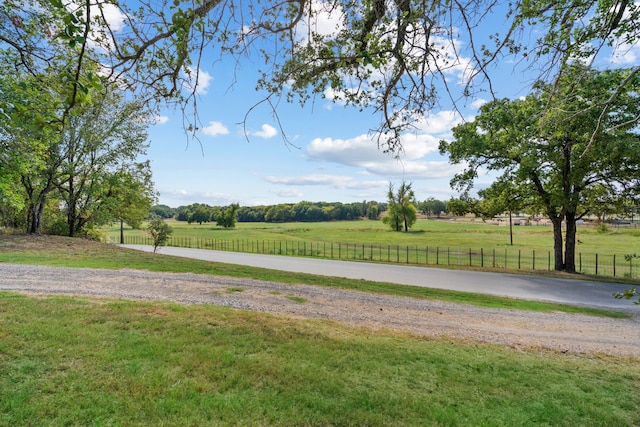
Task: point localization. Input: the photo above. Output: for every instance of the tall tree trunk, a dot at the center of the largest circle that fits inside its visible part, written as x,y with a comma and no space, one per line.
34,221
121,232
570,244
71,217
558,263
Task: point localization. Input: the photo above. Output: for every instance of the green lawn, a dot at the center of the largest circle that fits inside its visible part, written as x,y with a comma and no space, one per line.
76,361
443,233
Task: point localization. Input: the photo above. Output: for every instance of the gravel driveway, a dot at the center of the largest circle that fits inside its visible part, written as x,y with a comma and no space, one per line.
558,332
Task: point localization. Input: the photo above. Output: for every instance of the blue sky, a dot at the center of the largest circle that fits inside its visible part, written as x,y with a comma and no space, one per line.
332,156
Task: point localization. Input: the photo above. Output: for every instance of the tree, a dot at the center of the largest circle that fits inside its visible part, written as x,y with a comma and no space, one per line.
431,206
100,140
131,195
392,56
160,232
199,213
542,145
227,217
163,211
401,212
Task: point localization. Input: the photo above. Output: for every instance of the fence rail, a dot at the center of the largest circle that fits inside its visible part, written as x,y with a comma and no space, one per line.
607,265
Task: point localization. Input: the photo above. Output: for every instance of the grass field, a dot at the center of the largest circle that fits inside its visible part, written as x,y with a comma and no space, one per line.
79,361
443,233
458,244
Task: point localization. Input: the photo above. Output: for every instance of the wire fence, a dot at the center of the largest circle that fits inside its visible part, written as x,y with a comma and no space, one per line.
608,265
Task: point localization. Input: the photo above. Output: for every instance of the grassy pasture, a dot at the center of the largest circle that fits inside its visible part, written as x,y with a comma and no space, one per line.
443,233
445,243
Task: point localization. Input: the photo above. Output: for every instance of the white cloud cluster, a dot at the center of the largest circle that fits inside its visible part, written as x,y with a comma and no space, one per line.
187,197
266,132
334,181
198,80
214,129
418,159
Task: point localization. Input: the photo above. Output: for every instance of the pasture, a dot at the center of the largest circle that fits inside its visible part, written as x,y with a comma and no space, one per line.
461,243
426,232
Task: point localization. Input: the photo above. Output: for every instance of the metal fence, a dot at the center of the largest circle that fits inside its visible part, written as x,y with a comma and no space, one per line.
608,265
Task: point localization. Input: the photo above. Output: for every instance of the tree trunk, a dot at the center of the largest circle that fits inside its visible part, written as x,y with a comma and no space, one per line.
121,232
570,244
35,218
557,244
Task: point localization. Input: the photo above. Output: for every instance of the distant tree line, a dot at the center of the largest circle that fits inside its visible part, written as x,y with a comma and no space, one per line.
292,212
287,212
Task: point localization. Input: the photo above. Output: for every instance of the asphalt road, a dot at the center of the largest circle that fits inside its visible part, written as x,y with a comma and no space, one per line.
579,292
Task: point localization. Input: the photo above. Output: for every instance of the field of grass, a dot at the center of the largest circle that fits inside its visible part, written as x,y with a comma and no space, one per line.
443,233
458,244
81,361
76,361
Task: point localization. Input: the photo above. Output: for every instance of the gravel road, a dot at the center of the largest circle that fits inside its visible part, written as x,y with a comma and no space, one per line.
557,332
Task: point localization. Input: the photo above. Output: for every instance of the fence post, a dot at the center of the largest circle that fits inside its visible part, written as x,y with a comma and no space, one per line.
596,264
534,260
427,256
519,253
470,257
580,261
481,257
437,255
614,265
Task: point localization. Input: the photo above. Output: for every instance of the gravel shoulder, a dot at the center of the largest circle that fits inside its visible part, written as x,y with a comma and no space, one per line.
557,332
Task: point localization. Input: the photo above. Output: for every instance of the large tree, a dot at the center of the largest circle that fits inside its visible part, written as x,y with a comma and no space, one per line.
401,210
100,139
543,148
399,57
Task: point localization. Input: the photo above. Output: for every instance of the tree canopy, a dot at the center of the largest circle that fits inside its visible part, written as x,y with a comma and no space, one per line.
543,150
399,57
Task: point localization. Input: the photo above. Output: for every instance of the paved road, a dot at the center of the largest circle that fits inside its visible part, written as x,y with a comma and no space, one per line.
569,291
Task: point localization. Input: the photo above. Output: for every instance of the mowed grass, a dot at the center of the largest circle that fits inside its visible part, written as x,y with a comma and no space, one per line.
79,253
80,362
426,232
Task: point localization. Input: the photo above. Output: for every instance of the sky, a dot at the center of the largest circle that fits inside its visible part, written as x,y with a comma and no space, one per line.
322,152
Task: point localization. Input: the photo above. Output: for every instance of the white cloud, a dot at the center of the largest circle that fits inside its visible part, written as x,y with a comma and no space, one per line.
266,132
335,181
290,192
626,55
215,129
160,120
187,197
326,19
113,16
199,80
418,160
477,103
